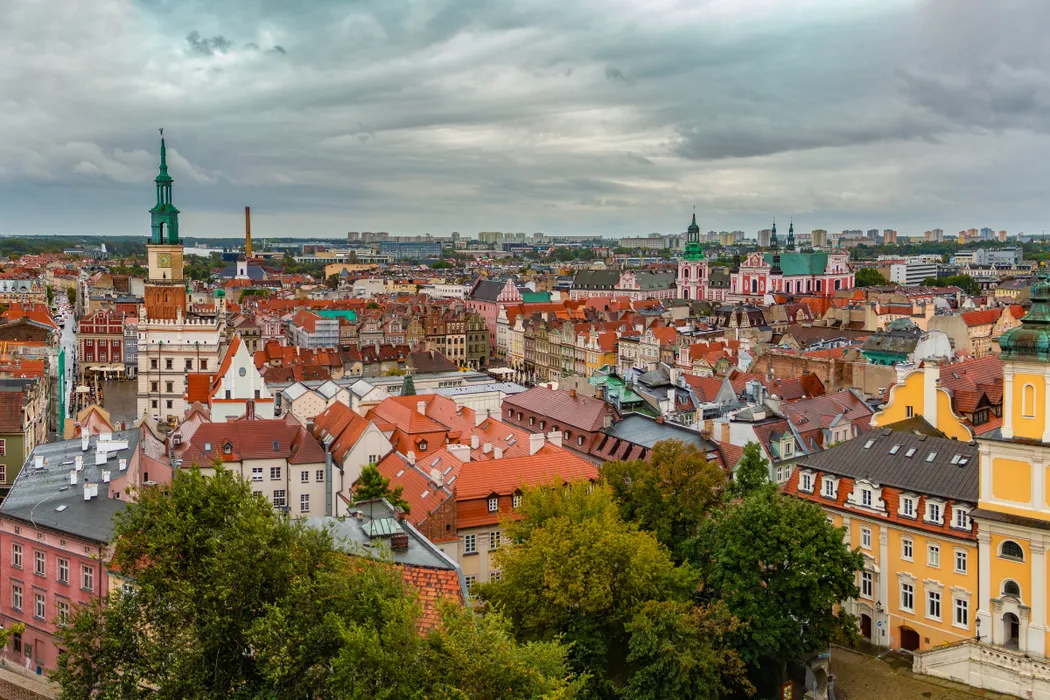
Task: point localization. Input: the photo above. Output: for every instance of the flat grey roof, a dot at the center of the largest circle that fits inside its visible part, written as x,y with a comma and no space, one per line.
645,431
45,498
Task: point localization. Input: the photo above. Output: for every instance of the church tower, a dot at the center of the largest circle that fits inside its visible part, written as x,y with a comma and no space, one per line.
773,236
165,284
791,236
1013,514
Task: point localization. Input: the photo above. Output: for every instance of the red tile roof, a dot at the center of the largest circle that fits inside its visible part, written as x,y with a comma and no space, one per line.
253,439
433,586
504,476
981,318
581,412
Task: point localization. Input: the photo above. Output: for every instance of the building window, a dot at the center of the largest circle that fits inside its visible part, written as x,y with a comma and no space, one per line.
319,476
279,498
806,483
1028,401
516,502
907,549
493,505
495,538
532,420
3,447
1011,588
962,519
153,364
373,459
960,561
41,607
543,424
63,611
909,411
470,581
933,604
169,403
908,507
16,555
40,567
933,555
304,503
275,473
470,544
933,513
866,584
1008,550
257,473
908,597
16,596
304,476
865,498
63,571
189,365
829,488
204,365
87,578
962,612
865,537
494,576
169,364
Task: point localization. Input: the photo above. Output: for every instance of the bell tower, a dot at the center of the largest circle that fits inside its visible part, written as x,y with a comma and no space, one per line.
165,285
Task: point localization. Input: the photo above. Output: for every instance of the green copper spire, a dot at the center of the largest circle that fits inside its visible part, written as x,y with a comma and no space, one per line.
693,251
1031,340
164,215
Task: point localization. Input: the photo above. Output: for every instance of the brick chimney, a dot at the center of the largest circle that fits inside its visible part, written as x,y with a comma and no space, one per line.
572,393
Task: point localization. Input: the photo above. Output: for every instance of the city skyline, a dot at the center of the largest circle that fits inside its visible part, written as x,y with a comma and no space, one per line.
612,120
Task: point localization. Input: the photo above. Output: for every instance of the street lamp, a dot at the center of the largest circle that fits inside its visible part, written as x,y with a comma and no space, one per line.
978,625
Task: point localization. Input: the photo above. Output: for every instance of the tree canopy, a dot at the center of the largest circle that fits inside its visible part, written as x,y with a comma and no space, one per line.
371,485
229,599
964,282
752,473
869,277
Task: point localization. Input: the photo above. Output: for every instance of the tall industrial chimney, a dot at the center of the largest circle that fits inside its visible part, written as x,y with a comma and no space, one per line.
248,232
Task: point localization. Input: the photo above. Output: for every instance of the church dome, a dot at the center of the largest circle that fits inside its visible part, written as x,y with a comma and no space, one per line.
220,293
1031,340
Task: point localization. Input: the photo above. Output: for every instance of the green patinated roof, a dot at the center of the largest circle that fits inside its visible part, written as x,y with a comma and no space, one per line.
1031,340
800,263
536,297
348,314
615,388
219,293
693,228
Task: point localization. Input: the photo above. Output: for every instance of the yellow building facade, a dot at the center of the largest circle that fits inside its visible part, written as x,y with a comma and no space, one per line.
918,393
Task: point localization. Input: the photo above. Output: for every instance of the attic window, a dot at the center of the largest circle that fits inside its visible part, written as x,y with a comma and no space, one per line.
207,447
910,452
276,446
895,449
930,457
868,444
227,448
963,461
956,458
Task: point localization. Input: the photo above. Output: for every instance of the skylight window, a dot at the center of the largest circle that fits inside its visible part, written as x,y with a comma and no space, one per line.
910,452
868,444
895,449
963,461
956,458
932,456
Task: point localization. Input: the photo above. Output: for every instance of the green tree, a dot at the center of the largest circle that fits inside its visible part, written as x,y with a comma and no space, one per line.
685,651
669,494
964,282
752,473
408,386
233,600
869,277
71,294
332,281
50,295
579,573
778,564
371,485
440,265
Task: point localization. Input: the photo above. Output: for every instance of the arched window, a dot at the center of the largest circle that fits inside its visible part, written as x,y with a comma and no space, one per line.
1028,401
685,293
838,285
754,286
1011,588
685,273
1011,550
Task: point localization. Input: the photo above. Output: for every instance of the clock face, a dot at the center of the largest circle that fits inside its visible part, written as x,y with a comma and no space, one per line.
164,260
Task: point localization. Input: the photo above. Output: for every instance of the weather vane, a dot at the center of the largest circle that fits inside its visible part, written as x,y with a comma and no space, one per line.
162,131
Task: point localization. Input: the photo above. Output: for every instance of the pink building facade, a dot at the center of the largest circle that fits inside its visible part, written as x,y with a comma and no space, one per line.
487,298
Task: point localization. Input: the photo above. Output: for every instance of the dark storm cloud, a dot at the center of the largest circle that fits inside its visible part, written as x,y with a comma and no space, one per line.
208,46
598,115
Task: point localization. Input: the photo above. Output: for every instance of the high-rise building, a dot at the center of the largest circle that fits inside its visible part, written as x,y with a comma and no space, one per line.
819,238
935,235
873,233
763,238
1002,236
986,234
889,237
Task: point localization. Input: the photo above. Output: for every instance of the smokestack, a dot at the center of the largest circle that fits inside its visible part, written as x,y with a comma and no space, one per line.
247,232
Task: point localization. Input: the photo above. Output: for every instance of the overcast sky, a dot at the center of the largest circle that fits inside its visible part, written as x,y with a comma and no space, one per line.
562,116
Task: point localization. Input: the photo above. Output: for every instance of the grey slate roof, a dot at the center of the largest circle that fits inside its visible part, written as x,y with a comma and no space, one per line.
938,477
487,290
37,494
596,279
654,280
351,534
646,431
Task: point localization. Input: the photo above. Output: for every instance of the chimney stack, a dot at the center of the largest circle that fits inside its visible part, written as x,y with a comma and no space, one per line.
487,448
421,406
87,491
247,232
78,463
497,453
554,437
411,457
72,478
84,437
460,452
572,393
535,443
123,464
474,442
